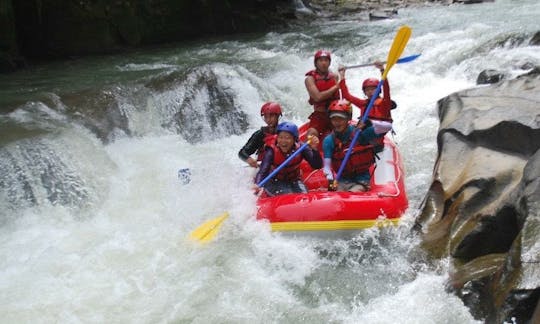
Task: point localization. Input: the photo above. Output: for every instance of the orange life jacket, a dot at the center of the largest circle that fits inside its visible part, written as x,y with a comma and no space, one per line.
291,171
362,157
380,110
323,82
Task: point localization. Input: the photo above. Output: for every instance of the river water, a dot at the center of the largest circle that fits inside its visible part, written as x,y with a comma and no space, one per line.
94,220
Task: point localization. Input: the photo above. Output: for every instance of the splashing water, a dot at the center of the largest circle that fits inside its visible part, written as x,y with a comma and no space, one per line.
93,218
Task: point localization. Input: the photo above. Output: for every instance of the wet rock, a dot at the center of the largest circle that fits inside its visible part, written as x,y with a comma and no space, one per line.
533,72
489,76
374,9
44,169
527,66
98,110
472,1
482,209
535,40
199,104
383,14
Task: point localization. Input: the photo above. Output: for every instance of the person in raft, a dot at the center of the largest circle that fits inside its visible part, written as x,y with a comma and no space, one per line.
288,179
322,86
381,110
356,175
270,112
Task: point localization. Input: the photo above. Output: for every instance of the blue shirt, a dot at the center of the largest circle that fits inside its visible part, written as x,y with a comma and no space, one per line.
364,138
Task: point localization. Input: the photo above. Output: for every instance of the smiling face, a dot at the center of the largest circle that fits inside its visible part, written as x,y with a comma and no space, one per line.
339,123
285,141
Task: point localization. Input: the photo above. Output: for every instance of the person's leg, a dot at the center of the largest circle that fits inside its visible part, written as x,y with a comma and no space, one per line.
273,188
358,184
277,187
359,187
298,187
345,185
363,182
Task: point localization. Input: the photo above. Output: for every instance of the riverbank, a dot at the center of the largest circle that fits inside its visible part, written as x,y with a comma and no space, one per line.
337,8
35,32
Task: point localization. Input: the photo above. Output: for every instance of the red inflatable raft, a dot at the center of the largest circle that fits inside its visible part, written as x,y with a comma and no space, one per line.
322,210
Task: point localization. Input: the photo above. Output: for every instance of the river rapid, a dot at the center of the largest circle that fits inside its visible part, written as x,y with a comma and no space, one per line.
94,220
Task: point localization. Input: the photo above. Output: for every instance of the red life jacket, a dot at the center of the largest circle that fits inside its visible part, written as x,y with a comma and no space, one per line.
268,140
291,171
362,157
323,82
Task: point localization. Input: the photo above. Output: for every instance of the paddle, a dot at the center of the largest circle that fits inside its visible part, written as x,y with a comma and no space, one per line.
206,232
405,59
398,45
282,165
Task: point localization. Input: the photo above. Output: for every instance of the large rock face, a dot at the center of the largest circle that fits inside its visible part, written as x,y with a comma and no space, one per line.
483,208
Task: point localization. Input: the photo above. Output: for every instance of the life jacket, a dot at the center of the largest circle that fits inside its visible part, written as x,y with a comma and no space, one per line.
268,140
362,157
291,171
323,82
379,111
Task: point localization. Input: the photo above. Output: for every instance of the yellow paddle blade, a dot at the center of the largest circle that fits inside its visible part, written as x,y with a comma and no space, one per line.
398,45
206,232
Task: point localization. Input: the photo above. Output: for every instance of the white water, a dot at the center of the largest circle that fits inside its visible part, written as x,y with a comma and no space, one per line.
122,256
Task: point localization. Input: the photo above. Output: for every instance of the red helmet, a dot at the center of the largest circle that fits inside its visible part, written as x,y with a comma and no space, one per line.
271,108
371,82
322,53
340,108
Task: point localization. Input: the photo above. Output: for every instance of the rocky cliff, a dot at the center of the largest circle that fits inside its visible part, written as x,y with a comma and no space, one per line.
482,210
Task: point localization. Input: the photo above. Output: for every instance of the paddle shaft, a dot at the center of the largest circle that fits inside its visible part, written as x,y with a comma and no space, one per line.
405,59
282,165
357,131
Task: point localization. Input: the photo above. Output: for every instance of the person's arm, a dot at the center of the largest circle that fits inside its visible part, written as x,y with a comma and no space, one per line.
387,103
253,144
358,102
386,90
328,146
328,151
313,157
317,95
327,169
266,164
369,134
